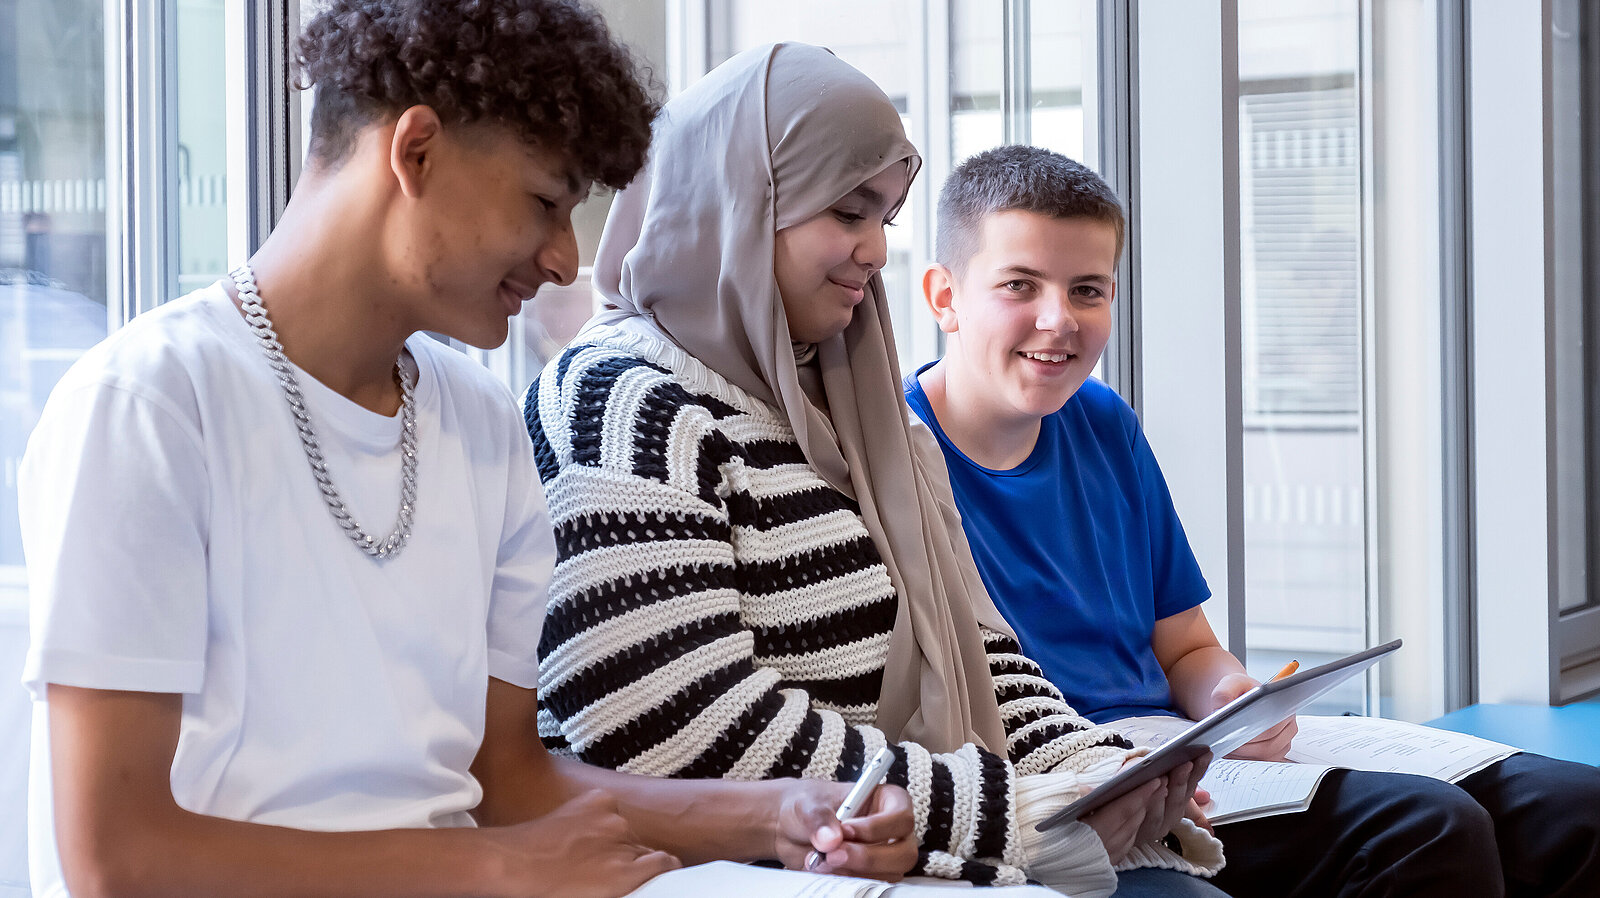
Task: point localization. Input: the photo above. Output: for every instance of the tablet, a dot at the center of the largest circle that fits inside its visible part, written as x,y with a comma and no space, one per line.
1226,729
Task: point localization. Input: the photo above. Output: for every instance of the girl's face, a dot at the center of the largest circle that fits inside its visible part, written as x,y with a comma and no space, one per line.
822,264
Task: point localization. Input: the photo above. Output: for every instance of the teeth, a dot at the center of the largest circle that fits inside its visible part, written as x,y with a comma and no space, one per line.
1047,356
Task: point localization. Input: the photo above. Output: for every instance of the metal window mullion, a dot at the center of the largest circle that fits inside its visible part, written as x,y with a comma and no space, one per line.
115,111
1118,130
1366,315
929,106
1232,314
1016,90
145,219
1564,510
1589,154
688,42
274,125
1455,282
931,118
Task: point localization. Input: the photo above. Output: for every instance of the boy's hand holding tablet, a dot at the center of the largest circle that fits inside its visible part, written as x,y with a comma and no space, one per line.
1274,744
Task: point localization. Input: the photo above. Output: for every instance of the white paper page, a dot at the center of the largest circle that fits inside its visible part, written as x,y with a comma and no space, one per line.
1238,787
1392,746
728,878
925,887
1150,732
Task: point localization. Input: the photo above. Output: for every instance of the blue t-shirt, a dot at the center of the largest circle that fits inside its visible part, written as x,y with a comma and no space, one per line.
1081,550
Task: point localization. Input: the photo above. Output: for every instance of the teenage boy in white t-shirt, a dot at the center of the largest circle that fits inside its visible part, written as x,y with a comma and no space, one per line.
247,682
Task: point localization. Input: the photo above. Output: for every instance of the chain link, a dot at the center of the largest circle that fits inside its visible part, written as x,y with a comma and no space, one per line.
255,314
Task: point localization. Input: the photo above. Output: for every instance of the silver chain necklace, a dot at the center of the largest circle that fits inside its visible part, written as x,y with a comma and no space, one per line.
255,314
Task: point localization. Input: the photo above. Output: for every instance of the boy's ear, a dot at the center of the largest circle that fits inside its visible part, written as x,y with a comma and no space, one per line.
938,291
416,137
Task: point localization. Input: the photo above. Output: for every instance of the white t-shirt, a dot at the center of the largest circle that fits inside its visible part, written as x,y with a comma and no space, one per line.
176,542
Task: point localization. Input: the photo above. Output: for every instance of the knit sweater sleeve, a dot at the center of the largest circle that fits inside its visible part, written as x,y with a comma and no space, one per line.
647,660
1043,732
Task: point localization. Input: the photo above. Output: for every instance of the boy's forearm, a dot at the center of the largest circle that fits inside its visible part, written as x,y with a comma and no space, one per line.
120,833
1193,677
193,855
696,820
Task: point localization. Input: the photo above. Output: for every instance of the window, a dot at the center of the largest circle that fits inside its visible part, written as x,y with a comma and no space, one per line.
1296,401
944,67
77,141
54,259
200,170
876,39
1300,237
1532,229
1575,134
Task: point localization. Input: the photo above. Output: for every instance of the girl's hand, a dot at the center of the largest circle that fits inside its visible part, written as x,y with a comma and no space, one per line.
1120,822
876,844
1181,783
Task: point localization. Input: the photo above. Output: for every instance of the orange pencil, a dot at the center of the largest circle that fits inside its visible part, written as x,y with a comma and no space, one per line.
1288,669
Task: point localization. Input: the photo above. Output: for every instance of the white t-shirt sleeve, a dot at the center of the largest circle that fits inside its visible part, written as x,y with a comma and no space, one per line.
521,584
113,501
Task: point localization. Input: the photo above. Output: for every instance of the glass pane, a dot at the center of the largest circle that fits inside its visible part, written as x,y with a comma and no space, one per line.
977,75
1575,135
1065,78
875,38
642,25
1062,71
201,168
1300,180
53,284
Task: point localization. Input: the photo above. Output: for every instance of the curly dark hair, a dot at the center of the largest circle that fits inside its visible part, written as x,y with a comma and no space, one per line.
549,70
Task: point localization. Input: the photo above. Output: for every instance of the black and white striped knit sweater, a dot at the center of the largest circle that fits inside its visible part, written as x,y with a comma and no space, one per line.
718,610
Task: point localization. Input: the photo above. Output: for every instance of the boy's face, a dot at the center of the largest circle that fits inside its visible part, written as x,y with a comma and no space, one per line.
1031,313
491,223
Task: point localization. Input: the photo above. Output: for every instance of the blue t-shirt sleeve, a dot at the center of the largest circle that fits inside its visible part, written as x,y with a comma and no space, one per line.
1175,572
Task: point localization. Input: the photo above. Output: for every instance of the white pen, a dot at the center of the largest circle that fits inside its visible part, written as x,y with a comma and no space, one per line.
871,776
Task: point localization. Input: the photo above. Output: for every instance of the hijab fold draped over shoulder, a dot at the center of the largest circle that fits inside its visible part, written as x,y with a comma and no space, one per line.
767,140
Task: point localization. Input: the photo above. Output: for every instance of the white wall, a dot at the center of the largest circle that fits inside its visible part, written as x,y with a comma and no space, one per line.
1184,371
1510,407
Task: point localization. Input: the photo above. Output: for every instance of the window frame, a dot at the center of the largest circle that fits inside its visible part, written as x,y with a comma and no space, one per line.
1528,483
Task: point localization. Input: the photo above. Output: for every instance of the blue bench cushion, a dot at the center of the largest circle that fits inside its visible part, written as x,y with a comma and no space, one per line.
1570,732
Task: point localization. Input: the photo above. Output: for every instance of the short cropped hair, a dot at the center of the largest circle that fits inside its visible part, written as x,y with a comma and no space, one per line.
548,70
1018,178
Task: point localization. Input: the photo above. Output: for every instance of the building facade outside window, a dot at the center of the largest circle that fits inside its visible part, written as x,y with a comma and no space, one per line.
53,301
65,240
1301,273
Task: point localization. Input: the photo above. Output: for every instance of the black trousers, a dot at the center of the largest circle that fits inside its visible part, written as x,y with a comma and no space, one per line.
1527,826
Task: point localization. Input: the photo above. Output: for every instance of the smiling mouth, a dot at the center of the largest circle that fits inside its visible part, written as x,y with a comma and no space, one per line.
513,296
1052,358
857,291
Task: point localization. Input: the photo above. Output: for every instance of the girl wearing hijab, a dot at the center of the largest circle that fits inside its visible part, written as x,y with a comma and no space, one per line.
760,569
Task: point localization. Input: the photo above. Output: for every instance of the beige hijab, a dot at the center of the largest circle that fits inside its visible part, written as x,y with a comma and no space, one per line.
769,139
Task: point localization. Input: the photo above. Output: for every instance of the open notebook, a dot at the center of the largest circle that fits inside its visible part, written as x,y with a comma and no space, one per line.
727,878
1244,790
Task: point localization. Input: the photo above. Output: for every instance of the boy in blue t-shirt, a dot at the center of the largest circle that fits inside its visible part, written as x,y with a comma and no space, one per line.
1074,532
